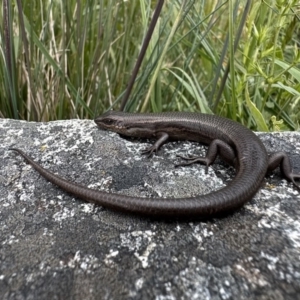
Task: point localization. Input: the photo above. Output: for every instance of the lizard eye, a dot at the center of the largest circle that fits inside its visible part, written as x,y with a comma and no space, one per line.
108,121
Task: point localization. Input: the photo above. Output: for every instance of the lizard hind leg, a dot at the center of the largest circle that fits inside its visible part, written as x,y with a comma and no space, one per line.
216,147
281,159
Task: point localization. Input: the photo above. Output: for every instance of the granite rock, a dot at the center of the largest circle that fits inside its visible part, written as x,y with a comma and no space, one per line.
56,246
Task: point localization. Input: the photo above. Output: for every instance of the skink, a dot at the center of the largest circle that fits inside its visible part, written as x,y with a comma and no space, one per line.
233,142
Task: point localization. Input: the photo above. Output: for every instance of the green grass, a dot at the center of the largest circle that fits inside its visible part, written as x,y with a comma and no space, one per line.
73,59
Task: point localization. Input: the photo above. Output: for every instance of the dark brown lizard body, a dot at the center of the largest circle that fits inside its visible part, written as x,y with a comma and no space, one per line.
235,143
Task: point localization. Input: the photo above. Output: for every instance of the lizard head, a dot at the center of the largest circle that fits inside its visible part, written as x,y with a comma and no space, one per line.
128,124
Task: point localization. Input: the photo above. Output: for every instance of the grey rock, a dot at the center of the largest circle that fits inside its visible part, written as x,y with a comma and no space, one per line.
56,246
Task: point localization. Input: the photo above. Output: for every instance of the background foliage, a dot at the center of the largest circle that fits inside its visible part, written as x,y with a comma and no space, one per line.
73,59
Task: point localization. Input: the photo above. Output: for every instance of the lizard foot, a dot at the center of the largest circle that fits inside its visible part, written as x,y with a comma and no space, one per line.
193,160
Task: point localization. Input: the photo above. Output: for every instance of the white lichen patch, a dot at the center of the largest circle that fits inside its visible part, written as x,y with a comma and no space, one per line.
136,242
275,218
87,208
144,257
86,263
10,240
108,260
201,232
65,213
252,275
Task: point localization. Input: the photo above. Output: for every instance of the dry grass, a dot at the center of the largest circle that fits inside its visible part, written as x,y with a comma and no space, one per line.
73,59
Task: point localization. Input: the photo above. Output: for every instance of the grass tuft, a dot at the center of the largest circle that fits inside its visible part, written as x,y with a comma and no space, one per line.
73,59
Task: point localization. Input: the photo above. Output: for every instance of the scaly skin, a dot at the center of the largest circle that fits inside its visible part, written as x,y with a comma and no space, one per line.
235,143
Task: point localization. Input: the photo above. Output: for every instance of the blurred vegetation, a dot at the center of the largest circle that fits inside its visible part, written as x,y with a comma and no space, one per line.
73,59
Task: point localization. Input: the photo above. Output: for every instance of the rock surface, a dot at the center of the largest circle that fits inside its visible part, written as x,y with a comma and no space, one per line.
56,246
